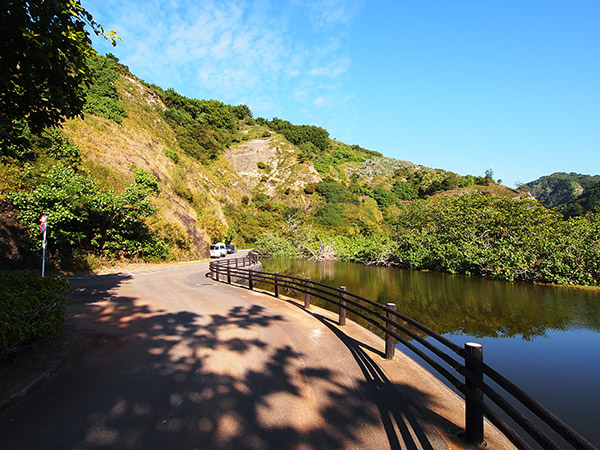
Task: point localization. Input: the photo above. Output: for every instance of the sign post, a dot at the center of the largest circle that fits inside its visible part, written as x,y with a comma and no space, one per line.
43,221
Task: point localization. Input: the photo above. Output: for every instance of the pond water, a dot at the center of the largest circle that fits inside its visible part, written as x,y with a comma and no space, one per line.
545,339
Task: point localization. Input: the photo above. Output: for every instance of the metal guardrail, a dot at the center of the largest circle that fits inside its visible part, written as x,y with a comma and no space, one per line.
469,363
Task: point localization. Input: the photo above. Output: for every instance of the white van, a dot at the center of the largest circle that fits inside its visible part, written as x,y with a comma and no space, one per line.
217,250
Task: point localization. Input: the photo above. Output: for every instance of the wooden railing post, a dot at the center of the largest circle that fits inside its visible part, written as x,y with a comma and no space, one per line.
342,319
250,284
277,284
236,263
307,294
217,271
390,341
228,274
473,411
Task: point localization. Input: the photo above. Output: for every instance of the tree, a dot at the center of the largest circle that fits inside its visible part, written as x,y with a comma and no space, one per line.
43,67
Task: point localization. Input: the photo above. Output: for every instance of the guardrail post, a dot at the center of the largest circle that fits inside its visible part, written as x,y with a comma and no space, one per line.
474,412
250,284
390,327
307,294
277,284
228,274
217,271
342,319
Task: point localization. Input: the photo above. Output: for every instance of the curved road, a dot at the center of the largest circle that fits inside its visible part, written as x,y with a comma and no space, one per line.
170,359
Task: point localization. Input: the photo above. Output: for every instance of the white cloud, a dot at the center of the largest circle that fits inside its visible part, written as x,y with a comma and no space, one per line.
255,50
329,13
333,69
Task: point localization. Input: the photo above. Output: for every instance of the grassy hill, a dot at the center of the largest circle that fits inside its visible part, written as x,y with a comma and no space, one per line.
149,174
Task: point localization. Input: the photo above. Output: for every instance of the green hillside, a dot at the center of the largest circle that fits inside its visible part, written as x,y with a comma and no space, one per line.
587,202
148,174
559,188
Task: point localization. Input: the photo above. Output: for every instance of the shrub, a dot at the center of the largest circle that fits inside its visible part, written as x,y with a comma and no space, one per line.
274,245
59,146
171,155
364,249
32,309
145,179
82,217
300,134
330,215
260,200
405,190
102,98
498,238
264,166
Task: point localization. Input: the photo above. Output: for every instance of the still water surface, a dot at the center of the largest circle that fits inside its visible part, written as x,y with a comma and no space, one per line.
545,339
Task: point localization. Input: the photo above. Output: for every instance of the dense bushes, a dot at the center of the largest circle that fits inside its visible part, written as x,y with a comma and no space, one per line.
374,249
32,308
472,234
271,244
145,179
498,238
204,128
102,98
299,134
82,218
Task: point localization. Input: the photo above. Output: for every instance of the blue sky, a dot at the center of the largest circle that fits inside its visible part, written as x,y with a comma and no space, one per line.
464,85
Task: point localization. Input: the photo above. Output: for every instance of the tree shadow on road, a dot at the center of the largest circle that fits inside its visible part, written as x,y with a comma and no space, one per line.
141,378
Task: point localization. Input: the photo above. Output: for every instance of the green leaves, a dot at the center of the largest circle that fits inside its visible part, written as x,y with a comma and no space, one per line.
145,180
82,218
498,238
32,308
203,127
43,52
300,134
102,98
275,245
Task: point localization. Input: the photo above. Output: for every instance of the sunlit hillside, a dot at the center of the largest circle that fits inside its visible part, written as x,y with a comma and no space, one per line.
214,172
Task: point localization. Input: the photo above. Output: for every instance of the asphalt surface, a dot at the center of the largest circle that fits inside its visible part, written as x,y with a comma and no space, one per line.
171,359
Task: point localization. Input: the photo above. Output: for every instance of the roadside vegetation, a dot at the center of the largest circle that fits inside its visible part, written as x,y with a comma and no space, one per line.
48,73
32,309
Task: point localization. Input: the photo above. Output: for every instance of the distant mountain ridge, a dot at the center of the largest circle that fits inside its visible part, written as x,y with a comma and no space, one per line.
560,189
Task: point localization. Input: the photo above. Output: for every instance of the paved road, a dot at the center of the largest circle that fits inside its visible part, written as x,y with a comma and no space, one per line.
173,360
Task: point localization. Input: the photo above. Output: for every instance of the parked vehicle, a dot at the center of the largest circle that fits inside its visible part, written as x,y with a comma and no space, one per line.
230,248
217,250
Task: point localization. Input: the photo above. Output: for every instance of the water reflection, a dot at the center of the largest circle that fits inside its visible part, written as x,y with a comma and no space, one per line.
454,304
545,339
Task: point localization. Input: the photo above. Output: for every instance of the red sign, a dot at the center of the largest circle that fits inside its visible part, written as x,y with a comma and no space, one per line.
44,218
43,227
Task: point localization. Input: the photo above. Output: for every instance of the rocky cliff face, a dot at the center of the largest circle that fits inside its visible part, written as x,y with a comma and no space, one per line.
271,162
